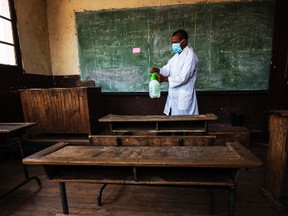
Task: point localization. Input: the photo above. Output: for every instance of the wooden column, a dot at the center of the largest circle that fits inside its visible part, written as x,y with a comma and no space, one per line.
277,156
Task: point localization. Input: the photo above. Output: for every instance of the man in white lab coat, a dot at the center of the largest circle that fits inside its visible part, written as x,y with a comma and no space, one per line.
180,72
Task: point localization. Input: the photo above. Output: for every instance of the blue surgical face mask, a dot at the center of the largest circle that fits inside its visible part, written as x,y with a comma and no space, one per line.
176,47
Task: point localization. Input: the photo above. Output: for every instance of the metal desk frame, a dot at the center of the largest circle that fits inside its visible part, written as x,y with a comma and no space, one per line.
10,130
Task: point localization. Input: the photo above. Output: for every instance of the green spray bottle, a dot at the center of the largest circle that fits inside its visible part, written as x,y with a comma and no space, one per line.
154,86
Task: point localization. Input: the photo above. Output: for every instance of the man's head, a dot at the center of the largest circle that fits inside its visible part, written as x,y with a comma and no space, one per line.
180,36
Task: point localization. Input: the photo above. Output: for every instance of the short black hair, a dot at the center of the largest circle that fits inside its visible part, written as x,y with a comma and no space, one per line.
181,33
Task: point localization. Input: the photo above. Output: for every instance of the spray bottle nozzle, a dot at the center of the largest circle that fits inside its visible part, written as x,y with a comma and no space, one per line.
153,76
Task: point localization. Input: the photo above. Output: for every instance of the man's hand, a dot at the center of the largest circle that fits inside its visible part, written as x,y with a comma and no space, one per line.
161,78
155,70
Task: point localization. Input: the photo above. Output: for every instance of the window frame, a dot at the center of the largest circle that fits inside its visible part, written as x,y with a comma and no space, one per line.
18,67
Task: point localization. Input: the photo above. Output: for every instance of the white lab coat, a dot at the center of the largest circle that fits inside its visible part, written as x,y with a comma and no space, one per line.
181,71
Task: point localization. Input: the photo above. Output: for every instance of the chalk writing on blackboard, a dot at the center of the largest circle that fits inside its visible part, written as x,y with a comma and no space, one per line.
233,42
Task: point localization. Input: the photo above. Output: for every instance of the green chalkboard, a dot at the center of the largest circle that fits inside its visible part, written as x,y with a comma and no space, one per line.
233,42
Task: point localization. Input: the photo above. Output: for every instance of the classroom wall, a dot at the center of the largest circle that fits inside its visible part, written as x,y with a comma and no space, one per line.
62,32
48,36
49,48
33,36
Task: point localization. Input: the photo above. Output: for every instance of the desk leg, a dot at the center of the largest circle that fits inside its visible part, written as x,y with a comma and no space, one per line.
25,170
211,202
232,201
99,195
276,202
63,197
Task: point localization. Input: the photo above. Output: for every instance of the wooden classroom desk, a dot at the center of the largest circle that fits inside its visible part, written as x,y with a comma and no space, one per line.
200,166
158,123
277,158
11,130
71,110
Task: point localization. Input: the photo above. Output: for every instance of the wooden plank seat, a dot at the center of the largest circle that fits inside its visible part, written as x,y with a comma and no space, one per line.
142,140
146,161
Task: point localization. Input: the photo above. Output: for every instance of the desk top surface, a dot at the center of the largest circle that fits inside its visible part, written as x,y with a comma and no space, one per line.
59,89
6,128
157,118
232,155
282,113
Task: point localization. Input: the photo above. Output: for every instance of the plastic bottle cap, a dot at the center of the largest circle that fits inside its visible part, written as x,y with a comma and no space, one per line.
153,76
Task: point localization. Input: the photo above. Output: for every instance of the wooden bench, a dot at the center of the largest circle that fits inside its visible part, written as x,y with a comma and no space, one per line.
186,124
189,161
140,140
